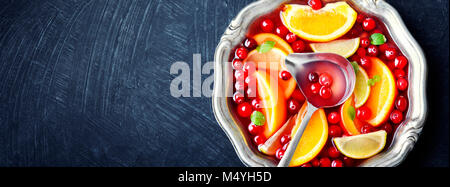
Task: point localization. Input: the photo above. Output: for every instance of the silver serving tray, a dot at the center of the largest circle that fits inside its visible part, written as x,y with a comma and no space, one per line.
405,136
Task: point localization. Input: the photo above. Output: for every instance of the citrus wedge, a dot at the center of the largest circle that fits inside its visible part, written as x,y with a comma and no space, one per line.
345,48
350,124
382,94
274,103
279,42
361,146
362,89
326,24
313,139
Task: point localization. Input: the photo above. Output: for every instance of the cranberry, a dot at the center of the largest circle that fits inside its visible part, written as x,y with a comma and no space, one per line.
348,162
250,43
364,35
285,139
267,25
279,154
239,85
383,47
390,65
258,139
256,104
355,58
402,84
377,31
366,129
325,79
400,62
325,92
337,163
360,18
285,75
315,162
390,53
297,95
313,77
294,106
315,88
251,92
281,31
369,24
237,64
334,131
372,50
315,4
244,109
363,113
365,62
325,162
396,117
333,152
241,52
365,42
285,146
333,117
387,127
307,165
399,73
298,46
361,52
239,75
238,98
291,37
254,129
250,81
249,67
401,103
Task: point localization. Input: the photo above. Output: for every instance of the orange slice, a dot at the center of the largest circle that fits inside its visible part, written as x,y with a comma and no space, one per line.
313,139
274,103
279,42
382,94
350,126
326,24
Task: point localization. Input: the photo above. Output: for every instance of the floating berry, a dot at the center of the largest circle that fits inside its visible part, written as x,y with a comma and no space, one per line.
259,140
372,50
396,117
365,62
279,154
291,37
402,84
387,127
315,4
241,52
326,80
348,162
239,75
363,113
399,73
285,146
369,24
267,25
294,106
337,163
306,165
315,162
377,31
325,92
244,110
250,81
334,131
313,77
285,139
400,62
360,18
239,85
297,95
325,162
238,98
250,43
383,47
365,42
237,64
285,75
315,88
298,46
333,152
366,129
249,67
361,52
254,129
333,117
401,103
390,53
251,92
281,31
256,104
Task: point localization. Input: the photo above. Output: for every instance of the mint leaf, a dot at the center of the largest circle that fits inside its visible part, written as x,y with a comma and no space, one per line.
377,39
258,118
266,47
352,112
374,80
355,66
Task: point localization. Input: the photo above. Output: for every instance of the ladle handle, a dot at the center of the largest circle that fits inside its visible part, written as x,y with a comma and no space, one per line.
287,157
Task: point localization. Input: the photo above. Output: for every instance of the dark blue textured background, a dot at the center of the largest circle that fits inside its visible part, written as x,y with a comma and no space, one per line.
86,83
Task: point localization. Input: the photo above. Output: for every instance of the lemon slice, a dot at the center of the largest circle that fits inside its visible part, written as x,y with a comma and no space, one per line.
361,146
326,24
345,48
362,89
